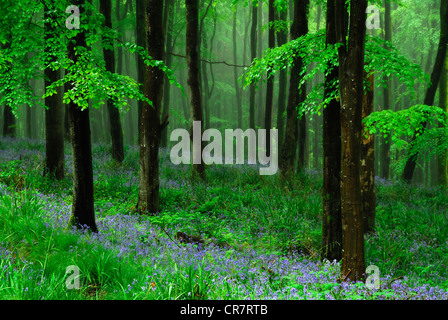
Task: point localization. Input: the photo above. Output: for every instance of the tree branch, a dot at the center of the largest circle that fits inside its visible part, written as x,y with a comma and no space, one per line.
211,62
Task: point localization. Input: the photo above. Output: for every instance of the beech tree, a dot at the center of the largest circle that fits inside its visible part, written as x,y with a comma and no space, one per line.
331,217
83,211
54,138
351,77
116,130
296,94
151,127
192,53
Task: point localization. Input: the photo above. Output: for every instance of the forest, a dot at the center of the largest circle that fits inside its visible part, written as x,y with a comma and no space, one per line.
223,150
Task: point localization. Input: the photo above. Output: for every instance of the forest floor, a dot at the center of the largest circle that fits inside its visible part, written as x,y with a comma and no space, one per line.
261,239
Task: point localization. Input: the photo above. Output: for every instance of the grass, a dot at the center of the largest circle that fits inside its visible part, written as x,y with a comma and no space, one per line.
262,238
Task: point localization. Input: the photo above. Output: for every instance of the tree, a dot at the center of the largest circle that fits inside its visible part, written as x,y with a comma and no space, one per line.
270,80
253,55
296,94
442,173
431,91
351,77
192,40
238,89
83,213
141,41
385,149
151,127
54,133
168,29
116,131
282,37
367,173
331,217
9,120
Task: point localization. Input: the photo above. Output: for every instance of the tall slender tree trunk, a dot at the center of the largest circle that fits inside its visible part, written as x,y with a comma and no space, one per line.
168,26
288,151
368,162
385,149
54,133
253,55
351,78
9,121
270,81
141,67
116,130
434,82
331,218
148,197
282,37
83,212
238,89
192,40
442,171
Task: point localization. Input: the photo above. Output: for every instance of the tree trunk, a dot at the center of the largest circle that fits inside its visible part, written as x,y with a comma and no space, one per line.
282,37
253,55
351,77
192,40
368,163
116,130
288,151
331,218
168,25
83,213
385,147
141,67
434,82
9,122
442,174
238,88
270,83
148,197
54,133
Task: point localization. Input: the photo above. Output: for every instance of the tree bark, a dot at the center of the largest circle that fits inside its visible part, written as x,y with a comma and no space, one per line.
253,55
116,130
238,88
83,213
141,67
434,82
54,133
368,163
148,197
168,24
331,218
288,151
351,76
270,83
192,40
385,149
9,121
442,174
282,37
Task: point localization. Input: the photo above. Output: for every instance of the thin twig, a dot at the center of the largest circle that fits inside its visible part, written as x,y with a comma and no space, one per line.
212,62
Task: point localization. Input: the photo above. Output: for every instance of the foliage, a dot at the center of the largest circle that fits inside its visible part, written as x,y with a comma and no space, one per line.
427,123
318,58
23,55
